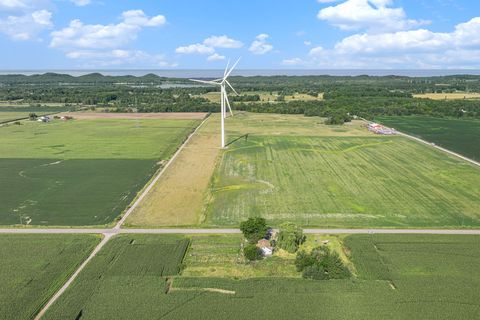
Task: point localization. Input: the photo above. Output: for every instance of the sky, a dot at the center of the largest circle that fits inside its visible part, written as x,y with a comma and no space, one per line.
267,34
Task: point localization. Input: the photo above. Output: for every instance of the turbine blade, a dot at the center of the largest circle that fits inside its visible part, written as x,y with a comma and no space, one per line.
204,82
228,83
228,103
233,67
226,68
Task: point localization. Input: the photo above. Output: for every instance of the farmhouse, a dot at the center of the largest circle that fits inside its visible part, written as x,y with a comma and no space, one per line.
264,245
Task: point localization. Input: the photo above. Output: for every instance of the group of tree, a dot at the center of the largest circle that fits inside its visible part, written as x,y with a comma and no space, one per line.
363,96
321,264
290,237
253,230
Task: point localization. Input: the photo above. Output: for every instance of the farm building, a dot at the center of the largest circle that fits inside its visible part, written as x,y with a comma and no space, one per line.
264,245
379,129
44,119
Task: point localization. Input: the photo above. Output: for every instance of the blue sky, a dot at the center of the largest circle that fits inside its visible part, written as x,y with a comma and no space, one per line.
267,34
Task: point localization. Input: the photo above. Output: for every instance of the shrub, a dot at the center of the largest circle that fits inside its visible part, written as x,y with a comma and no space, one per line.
254,229
321,264
290,237
251,252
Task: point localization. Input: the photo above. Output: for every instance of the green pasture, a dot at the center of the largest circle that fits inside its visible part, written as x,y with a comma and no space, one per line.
34,267
342,181
459,135
95,139
81,172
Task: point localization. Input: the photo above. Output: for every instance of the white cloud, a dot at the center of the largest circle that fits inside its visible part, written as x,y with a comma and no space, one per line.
197,48
12,4
139,18
27,26
119,57
307,43
24,19
419,48
222,42
260,45
316,51
373,15
208,46
215,57
98,45
79,35
81,3
293,62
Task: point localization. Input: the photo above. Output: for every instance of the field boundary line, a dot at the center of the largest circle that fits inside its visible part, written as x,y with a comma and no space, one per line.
106,237
158,176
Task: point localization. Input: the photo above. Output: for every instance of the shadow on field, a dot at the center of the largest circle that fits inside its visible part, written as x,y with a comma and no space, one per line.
238,138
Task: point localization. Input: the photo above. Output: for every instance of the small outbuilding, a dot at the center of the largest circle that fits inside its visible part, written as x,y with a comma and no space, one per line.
265,246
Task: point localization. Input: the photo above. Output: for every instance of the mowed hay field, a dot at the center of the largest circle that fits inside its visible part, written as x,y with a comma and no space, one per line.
459,135
81,172
398,277
127,279
178,196
449,96
338,177
266,96
34,267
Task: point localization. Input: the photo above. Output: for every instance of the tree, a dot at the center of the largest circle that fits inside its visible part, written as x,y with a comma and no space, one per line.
254,229
251,252
321,264
32,116
290,237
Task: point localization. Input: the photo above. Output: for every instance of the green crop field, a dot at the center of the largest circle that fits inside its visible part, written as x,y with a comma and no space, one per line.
10,116
127,279
34,267
398,277
339,179
81,172
462,136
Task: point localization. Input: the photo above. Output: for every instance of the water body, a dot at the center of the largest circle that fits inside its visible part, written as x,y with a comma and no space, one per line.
206,73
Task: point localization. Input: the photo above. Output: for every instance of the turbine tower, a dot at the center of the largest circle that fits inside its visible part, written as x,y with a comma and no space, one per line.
224,103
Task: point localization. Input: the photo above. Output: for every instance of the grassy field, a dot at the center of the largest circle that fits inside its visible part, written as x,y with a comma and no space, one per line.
338,177
10,116
449,96
81,172
187,178
33,267
458,135
399,277
127,279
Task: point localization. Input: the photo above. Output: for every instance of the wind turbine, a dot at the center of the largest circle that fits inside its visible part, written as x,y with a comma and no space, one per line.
224,103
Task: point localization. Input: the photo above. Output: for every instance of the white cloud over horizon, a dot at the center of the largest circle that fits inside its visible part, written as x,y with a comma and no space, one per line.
81,3
259,45
373,15
23,20
80,35
391,44
102,44
209,46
